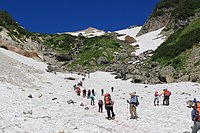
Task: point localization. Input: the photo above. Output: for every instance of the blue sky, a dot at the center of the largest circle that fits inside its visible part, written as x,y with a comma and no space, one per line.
53,16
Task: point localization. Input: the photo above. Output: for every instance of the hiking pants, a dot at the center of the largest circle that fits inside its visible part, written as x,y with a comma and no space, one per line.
156,99
112,111
92,101
84,94
108,111
133,111
166,100
100,107
196,127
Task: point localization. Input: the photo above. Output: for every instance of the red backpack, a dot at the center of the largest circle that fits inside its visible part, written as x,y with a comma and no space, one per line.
107,98
198,111
167,93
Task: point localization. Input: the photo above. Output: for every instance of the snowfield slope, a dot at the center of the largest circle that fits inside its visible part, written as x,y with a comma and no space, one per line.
48,111
148,41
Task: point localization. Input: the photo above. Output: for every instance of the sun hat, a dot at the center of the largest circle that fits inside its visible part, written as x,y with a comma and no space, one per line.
132,93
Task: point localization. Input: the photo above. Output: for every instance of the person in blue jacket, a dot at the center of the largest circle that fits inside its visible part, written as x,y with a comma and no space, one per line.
195,116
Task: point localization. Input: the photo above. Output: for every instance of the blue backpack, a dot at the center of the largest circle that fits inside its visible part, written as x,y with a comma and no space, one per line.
134,100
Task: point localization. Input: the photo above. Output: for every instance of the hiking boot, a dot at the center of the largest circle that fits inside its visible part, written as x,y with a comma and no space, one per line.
109,118
134,117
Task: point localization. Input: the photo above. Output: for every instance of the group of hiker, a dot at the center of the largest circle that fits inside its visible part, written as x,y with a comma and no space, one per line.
165,93
108,102
134,102
90,94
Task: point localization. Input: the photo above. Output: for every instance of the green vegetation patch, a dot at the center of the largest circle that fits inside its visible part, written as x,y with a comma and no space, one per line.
169,51
178,8
10,24
61,43
96,47
197,63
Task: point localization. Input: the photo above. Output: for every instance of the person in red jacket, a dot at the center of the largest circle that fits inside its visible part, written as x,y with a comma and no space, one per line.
167,94
78,90
156,99
109,106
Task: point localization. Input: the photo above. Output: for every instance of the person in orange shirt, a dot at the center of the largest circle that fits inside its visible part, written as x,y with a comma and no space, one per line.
167,94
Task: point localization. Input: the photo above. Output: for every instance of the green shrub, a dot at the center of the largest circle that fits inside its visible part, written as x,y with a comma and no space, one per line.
178,42
10,24
197,63
60,43
181,8
94,48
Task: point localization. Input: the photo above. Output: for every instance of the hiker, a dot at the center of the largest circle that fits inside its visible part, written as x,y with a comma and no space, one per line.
100,103
84,93
195,115
167,94
93,92
74,86
92,99
88,95
156,99
102,92
78,90
83,79
112,88
133,105
109,106
81,83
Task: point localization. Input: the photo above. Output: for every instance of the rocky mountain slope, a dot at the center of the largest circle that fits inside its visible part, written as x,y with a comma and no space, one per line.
177,59
171,14
89,50
127,53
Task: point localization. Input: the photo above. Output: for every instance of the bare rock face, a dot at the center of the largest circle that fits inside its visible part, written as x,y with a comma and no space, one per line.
93,63
129,39
64,57
137,79
102,60
168,70
169,79
195,77
155,23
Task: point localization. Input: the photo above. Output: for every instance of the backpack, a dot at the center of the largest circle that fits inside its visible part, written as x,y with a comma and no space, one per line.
100,102
167,93
134,100
107,99
197,113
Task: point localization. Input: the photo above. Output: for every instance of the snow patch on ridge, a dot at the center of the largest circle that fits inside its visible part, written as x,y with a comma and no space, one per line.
148,41
89,32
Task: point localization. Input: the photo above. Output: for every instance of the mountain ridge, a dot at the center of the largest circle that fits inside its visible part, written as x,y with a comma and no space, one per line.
92,49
